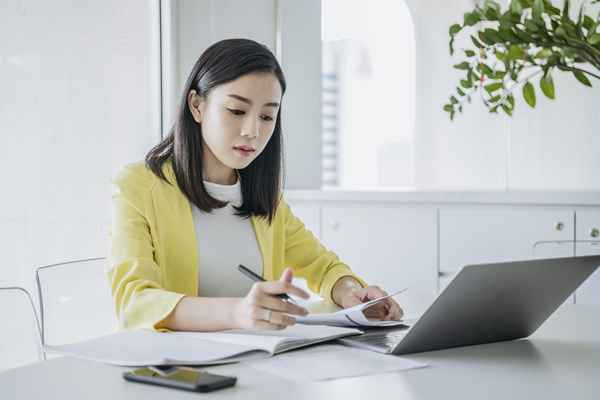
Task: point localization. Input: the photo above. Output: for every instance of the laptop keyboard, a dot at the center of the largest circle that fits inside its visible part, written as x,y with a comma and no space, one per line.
383,341
389,340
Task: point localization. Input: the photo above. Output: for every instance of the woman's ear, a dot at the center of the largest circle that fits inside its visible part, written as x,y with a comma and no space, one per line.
194,102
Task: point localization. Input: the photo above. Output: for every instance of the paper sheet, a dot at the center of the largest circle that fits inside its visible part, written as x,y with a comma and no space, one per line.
332,361
352,316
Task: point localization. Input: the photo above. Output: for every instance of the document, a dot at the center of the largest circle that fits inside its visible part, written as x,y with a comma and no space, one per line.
145,347
350,317
332,361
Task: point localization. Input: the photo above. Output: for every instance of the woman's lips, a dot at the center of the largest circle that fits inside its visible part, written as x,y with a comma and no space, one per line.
242,152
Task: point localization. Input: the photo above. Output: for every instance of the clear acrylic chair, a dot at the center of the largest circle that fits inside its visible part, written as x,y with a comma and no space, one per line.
75,301
20,336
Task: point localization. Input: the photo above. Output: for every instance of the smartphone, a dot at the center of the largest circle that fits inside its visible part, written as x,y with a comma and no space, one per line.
180,378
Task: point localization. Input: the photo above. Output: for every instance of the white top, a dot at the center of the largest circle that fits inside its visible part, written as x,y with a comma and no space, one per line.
224,241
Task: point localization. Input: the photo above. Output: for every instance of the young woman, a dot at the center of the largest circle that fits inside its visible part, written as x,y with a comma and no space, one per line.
207,199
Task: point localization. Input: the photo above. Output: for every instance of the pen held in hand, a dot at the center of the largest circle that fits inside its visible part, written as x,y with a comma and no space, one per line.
257,278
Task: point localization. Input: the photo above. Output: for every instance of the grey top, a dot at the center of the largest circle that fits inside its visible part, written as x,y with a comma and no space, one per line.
225,240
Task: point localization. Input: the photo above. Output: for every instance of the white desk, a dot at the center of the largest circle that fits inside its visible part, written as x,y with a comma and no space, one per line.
561,361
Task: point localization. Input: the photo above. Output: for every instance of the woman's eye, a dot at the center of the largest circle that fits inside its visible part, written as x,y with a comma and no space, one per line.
267,118
236,112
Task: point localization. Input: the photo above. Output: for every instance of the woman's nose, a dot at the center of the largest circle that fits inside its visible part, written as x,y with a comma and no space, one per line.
250,128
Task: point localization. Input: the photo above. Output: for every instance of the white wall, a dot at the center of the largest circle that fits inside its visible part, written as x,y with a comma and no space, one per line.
195,25
551,147
80,97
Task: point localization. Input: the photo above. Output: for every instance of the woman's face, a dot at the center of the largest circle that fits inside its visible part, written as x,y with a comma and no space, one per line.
240,113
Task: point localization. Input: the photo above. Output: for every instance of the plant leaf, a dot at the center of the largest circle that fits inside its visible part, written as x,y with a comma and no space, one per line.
463,65
582,78
515,7
454,29
544,53
529,94
471,19
492,87
594,39
515,52
538,9
470,53
507,110
547,86
476,42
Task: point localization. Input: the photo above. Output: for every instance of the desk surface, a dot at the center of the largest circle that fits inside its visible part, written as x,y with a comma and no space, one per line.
560,361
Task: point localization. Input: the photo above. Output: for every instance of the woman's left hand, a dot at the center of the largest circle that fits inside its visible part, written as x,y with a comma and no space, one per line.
385,310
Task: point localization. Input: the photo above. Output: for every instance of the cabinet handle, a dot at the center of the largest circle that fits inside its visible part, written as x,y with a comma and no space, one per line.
594,232
559,226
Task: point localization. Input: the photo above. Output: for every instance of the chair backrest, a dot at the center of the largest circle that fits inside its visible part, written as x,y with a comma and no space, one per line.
20,337
75,301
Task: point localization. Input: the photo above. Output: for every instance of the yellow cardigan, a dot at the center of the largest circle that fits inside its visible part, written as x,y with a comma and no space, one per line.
153,260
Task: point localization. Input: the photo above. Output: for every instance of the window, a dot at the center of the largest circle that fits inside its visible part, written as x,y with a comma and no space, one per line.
367,94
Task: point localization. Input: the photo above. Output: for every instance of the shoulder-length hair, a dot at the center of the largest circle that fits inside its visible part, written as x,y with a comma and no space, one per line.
261,181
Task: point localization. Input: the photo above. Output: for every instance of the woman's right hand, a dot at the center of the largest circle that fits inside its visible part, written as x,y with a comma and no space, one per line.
262,309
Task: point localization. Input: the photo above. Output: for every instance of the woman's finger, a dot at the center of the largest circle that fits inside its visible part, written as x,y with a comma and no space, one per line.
374,292
377,310
279,287
267,326
394,312
282,319
276,304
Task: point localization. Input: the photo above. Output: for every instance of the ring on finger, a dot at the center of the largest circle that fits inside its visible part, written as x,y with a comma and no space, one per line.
268,316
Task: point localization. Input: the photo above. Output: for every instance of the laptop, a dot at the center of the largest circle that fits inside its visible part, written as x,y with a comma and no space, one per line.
485,303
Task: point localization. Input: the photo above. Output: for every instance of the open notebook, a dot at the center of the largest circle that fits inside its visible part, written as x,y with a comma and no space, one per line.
144,347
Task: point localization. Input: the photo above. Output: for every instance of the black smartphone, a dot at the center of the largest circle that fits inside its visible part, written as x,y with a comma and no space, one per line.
181,378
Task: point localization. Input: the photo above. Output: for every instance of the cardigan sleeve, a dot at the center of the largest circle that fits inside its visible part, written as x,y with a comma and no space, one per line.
134,276
309,259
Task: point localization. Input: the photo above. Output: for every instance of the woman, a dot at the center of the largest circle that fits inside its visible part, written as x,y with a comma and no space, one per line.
208,198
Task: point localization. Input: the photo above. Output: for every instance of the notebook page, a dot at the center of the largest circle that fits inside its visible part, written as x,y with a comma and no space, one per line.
140,348
276,341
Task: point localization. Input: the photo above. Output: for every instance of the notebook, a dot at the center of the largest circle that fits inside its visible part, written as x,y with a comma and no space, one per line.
145,347
350,317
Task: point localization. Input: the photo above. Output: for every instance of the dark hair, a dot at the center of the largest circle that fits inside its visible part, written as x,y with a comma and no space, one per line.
261,183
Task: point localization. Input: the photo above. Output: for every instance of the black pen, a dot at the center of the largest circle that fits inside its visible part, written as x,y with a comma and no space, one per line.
250,274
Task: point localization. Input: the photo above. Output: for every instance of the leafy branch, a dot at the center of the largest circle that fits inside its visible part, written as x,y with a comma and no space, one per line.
531,39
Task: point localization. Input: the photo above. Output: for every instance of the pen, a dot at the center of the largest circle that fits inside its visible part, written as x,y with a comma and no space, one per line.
250,274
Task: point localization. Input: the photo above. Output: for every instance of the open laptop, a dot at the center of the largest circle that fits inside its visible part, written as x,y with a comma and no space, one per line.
485,303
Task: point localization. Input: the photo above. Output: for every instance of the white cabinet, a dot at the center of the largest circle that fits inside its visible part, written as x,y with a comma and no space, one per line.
493,234
423,246
480,234
389,246
588,244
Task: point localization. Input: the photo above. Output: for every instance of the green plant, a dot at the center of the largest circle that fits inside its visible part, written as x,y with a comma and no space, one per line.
509,49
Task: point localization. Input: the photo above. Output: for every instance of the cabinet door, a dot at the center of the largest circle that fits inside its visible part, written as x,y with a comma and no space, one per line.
540,250
389,246
588,244
481,234
495,234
